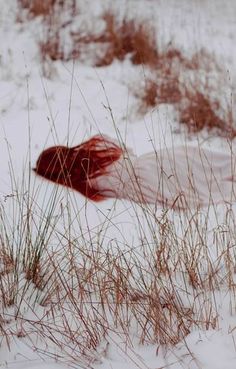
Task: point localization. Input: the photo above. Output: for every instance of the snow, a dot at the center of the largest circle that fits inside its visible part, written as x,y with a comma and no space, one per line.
70,106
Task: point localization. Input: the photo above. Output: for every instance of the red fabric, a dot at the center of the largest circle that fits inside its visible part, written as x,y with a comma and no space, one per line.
75,167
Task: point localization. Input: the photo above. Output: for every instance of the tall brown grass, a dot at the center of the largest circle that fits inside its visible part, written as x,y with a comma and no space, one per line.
137,40
198,110
118,40
128,37
69,288
176,81
89,286
51,48
56,15
46,8
160,91
38,7
89,289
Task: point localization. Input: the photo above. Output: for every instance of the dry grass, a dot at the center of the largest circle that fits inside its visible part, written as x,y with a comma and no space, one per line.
71,289
198,111
117,41
52,48
191,96
164,91
46,8
128,37
93,289
57,15
202,60
38,7
90,287
163,86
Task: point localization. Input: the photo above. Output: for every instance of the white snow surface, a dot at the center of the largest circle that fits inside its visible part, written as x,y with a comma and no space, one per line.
72,105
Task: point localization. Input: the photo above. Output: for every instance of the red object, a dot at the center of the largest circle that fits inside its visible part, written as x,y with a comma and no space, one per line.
74,167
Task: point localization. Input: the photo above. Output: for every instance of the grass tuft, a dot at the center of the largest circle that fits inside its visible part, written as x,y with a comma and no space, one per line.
82,286
38,7
198,111
46,8
162,91
51,48
128,37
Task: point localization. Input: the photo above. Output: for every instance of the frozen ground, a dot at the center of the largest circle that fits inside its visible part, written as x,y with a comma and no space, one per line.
72,105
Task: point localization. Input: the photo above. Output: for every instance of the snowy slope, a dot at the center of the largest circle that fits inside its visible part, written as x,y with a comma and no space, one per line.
70,106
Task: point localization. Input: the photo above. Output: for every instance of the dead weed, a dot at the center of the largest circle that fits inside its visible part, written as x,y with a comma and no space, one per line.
38,7
128,38
46,8
198,111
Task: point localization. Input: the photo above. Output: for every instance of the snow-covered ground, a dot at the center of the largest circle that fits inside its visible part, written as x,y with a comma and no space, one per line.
72,105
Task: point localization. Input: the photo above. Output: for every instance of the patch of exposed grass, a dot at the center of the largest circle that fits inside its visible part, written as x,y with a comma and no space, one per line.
91,288
38,7
72,287
198,111
202,60
137,40
51,48
193,100
128,37
163,91
46,8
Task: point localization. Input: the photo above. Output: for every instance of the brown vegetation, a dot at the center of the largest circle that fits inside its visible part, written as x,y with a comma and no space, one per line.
136,40
51,48
202,60
164,91
199,110
193,100
116,42
89,288
7,261
118,39
163,87
45,7
128,38
38,7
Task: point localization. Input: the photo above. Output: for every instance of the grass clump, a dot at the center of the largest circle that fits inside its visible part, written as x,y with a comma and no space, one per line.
38,7
46,8
137,40
81,285
51,48
198,111
56,15
163,91
162,85
176,81
116,41
128,37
